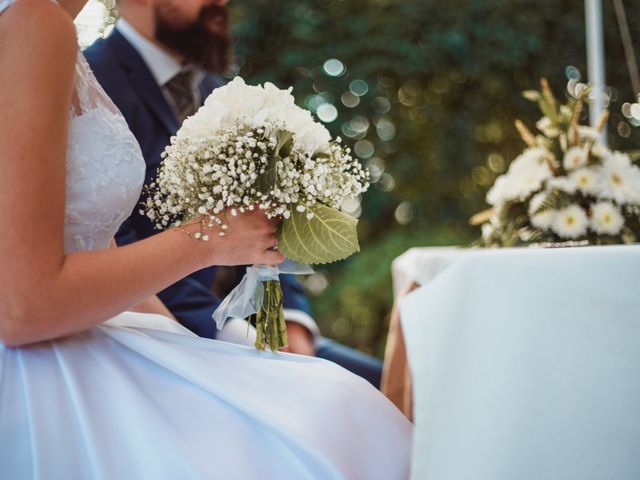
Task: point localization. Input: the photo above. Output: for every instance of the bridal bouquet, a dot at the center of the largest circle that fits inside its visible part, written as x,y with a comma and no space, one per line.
251,147
565,186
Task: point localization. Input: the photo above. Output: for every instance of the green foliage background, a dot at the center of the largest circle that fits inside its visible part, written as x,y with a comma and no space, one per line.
451,74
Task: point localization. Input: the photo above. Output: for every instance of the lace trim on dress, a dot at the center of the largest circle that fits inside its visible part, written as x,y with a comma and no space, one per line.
89,95
105,168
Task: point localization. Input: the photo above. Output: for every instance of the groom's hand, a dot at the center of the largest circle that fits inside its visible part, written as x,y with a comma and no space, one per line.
300,340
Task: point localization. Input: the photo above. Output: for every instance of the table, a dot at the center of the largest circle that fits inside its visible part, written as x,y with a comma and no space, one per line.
416,267
525,362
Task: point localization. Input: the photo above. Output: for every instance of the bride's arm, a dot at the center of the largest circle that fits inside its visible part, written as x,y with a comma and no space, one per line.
45,293
151,304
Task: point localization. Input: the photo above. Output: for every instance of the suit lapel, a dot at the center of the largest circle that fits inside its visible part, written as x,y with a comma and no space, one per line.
142,80
208,84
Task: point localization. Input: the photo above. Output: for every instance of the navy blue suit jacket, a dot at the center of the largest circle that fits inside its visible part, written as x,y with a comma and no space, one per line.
128,81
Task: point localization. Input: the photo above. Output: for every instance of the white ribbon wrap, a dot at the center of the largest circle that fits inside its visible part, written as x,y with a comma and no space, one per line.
246,299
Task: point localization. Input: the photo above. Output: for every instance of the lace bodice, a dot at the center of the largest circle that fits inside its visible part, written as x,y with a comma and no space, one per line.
104,165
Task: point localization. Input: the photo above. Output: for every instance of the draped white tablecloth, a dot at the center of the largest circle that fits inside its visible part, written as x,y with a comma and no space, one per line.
525,362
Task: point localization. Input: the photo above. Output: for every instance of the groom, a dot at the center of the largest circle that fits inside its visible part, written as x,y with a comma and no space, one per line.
158,67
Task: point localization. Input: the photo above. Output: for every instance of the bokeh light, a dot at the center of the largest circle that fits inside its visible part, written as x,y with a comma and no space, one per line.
403,213
327,112
381,104
316,283
364,149
350,100
375,166
359,87
352,206
334,67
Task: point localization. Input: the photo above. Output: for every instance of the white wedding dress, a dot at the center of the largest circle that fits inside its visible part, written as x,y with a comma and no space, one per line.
140,397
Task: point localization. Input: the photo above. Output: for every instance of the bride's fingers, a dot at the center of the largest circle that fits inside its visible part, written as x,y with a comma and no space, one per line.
275,223
271,242
271,257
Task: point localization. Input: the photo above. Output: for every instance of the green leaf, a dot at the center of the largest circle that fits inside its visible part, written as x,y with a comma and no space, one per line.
285,143
327,237
547,107
269,179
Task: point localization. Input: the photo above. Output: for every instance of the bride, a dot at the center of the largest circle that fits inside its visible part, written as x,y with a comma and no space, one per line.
96,381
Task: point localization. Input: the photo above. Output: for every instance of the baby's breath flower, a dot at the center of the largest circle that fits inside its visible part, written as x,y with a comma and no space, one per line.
228,164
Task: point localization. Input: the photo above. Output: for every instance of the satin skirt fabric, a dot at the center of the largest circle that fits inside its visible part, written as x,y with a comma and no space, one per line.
141,397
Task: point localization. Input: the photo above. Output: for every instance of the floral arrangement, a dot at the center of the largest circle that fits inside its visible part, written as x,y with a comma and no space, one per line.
566,186
251,147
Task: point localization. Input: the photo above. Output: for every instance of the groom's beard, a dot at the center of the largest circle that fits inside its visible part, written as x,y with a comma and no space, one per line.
204,42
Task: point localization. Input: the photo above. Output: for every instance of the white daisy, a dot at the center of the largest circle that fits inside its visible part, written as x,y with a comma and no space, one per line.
606,218
600,151
566,111
487,231
621,179
574,158
542,220
526,174
564,184
544,125
499,192
588,133
586,180
536,202
570,222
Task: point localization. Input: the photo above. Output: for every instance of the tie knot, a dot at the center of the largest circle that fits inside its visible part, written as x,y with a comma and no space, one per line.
180,88
183,79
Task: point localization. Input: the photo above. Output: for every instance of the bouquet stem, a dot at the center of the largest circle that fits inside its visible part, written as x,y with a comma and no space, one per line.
271,328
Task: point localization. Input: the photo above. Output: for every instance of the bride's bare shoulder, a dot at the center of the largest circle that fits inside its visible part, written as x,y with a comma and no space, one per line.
37,22
37,31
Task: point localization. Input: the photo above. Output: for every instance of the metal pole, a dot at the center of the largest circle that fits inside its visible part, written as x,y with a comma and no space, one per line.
595,60
632,64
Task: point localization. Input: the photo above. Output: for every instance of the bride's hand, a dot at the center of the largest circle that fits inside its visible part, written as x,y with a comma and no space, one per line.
249,238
